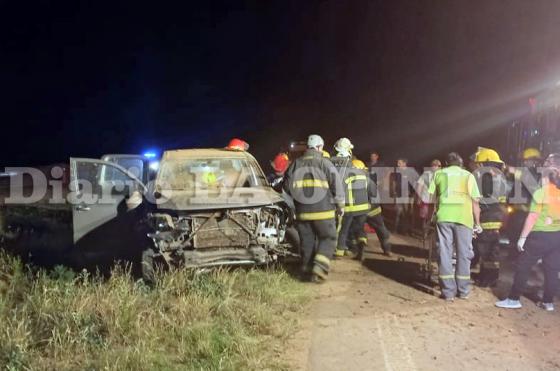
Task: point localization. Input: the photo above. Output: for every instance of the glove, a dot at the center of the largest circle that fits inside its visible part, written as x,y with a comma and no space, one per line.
340,211
521,244
477,229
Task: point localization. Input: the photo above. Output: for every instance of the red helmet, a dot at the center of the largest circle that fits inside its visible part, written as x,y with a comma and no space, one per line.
238,145
280,162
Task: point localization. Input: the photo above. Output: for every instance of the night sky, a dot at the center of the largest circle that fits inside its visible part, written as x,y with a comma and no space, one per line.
408,78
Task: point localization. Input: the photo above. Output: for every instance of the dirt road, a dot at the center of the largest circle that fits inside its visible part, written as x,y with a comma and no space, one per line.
372,317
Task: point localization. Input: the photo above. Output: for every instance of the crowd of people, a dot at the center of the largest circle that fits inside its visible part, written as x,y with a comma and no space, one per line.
336,197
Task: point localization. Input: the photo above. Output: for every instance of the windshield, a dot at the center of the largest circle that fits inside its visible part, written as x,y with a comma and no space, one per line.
211,173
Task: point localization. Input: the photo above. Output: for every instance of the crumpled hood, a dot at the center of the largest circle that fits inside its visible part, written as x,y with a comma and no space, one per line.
222,199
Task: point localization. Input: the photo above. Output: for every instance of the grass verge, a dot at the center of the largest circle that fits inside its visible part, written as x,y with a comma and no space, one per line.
236,319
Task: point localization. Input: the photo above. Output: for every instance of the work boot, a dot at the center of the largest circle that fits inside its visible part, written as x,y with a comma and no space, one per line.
359,255
339,253
360,251
318,275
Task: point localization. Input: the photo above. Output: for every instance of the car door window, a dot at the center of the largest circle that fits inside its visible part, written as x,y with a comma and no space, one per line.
135,166
101,181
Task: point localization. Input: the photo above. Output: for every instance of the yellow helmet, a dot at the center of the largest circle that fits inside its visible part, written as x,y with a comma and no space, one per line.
531,153
487,155
326,154
359,164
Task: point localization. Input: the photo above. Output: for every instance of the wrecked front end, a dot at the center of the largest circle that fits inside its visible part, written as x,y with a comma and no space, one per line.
238,236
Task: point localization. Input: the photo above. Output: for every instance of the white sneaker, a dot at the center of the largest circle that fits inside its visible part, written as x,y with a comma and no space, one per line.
549,307
509,304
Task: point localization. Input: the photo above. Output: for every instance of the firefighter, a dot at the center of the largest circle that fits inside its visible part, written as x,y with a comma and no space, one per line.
357,237
312,181
279,165
355,183
492,184
526,180
373,218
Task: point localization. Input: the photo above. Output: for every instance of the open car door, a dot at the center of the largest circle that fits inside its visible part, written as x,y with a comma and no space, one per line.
100,189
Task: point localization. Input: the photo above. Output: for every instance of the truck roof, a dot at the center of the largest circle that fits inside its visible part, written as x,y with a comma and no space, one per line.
180,154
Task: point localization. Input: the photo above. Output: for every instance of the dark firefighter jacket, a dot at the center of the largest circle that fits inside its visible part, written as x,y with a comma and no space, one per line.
313,183
358,186
525,182
493,189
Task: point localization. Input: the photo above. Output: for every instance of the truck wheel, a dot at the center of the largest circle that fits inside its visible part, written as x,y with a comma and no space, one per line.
148,266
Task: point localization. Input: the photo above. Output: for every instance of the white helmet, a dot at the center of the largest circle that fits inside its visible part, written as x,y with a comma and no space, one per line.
344,147
314,141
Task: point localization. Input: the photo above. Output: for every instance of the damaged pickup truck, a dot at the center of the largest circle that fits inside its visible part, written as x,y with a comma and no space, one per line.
215,207
205,207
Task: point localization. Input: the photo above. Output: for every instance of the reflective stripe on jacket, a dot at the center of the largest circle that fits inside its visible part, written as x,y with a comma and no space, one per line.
355,183
375,210
313,183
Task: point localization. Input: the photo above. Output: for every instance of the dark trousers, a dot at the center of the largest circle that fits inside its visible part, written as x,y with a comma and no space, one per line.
357,234
345,230
539,245
377,223
487,251
321,231
515,224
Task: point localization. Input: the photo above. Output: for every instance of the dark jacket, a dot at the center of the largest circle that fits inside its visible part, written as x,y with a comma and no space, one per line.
315,186
357,186
526,180
493,189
